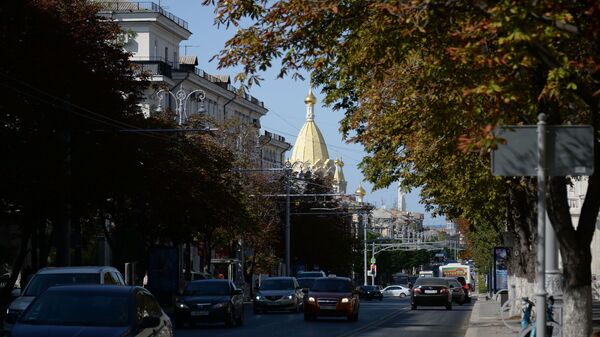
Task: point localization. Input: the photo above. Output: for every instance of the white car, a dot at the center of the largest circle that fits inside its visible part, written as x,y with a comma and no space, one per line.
396,291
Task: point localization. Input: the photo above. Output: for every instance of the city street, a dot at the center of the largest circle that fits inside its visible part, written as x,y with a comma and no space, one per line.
391,317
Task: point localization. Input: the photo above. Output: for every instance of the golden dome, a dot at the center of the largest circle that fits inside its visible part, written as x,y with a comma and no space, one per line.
360,191
310,145
310,98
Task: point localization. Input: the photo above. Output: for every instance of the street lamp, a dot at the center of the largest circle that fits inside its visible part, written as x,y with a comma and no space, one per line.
181,98
360,194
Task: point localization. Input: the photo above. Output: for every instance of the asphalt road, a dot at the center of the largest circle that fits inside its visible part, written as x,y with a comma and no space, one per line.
390,317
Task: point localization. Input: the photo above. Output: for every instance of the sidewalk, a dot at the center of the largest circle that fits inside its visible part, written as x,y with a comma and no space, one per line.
486,321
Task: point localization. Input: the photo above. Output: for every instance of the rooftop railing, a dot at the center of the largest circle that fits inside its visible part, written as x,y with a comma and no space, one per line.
141,6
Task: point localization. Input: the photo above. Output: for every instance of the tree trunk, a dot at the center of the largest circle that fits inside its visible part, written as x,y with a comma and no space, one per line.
577,301
576,253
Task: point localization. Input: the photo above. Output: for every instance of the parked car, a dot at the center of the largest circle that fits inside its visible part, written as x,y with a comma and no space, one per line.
465,287
93,310
431,291
458,293
210,301
51,276
370,293
332,296
279,293
396,291
317,273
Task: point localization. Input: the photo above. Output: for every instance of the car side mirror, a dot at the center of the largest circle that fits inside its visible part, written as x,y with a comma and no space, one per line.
15,293
237,292
149,322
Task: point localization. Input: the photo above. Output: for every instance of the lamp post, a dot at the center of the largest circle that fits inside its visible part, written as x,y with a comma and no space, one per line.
181,98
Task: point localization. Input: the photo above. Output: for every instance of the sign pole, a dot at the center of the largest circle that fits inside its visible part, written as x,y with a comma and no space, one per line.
541,228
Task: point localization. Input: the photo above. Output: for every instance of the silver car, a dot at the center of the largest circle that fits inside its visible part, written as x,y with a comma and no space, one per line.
279,293
48,277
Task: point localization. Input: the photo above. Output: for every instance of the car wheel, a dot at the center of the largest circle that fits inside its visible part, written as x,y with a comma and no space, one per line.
413,307
449,306
402,295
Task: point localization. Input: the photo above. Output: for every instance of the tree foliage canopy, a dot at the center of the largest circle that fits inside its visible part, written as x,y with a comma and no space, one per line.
423,83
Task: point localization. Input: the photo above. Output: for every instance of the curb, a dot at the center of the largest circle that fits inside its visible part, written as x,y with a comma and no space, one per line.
472,330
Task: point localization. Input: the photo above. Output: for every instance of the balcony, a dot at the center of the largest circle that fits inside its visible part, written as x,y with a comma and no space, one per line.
140,7
153,66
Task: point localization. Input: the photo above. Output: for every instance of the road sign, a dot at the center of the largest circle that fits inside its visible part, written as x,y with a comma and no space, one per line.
372,260
569,151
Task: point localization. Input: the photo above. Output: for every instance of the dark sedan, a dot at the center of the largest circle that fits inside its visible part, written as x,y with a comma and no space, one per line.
93,311
370,293
210,301
431,291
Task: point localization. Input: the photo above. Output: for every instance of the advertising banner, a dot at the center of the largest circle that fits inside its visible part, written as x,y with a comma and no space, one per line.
500,267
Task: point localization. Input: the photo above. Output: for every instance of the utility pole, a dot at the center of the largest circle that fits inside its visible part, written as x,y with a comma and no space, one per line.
541,228
365,248
288,181
63,245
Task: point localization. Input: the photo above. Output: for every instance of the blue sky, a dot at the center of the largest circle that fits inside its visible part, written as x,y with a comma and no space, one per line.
285,100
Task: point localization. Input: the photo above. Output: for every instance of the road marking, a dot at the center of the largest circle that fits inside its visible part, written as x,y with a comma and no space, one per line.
380,321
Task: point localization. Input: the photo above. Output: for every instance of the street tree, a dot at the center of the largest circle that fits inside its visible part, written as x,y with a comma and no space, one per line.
434,77
65,78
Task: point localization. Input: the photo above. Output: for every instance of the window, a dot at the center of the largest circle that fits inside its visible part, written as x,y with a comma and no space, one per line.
166,54
146,305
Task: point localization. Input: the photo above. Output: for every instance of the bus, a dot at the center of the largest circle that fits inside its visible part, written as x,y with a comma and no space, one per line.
457,270
400,278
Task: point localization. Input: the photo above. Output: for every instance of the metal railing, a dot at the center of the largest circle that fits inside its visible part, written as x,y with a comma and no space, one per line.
154,67
141,6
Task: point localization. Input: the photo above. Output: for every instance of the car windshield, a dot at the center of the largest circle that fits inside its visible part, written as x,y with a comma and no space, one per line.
306,282
41,282
431,281
207,289
277,284
311,274
78,308
332,286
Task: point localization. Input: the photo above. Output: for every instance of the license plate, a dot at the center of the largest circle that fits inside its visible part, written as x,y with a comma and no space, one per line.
431,291
328,307
199,313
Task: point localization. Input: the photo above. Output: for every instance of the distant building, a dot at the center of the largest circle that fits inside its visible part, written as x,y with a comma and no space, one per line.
153,35
576,195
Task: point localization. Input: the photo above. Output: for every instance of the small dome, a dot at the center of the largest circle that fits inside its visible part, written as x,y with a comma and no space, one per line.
339,162
360,191
310,98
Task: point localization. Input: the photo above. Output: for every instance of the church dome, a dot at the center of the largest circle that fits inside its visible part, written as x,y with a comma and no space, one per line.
310,145
360,191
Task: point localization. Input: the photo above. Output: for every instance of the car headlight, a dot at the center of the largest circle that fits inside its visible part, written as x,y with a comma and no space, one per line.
345,300
182,306
290,297
220,305
311,299
258,297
